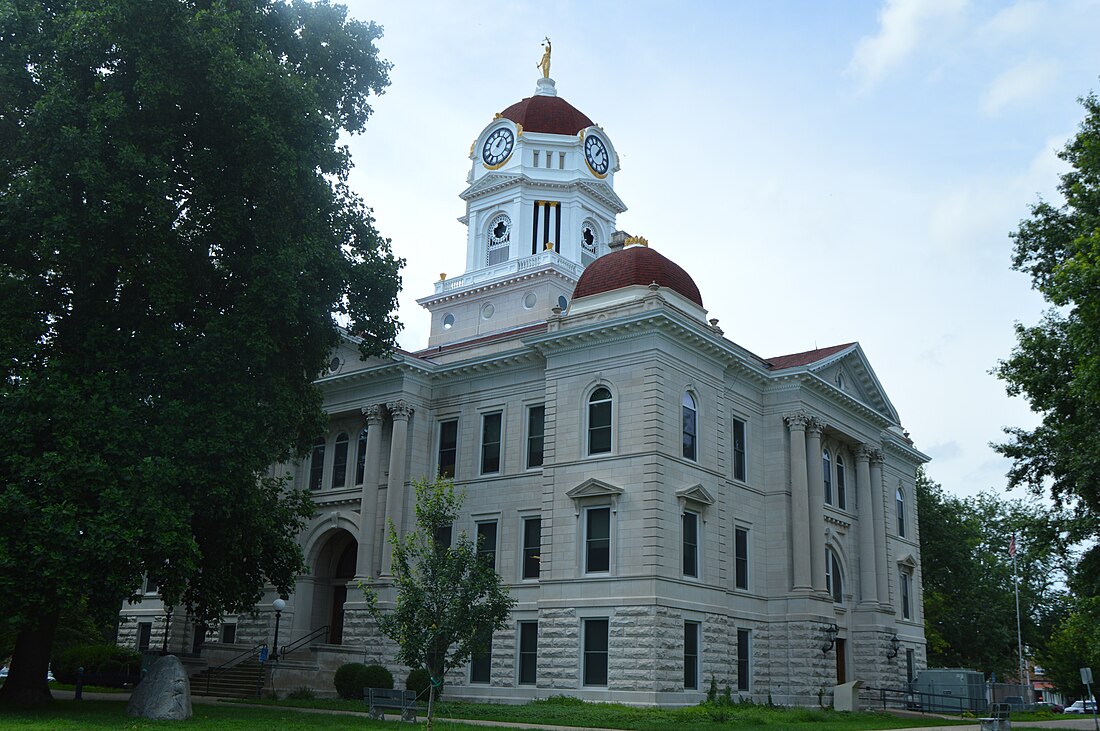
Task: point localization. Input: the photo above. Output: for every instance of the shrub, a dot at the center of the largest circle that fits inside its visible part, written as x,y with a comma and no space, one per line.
419,681
377,676
95,659
350,679
300,694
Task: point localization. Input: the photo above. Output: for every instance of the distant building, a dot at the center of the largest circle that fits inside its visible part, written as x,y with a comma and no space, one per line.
666,506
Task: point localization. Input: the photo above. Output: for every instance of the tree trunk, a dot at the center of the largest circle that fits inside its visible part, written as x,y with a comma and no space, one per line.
431,701
30,661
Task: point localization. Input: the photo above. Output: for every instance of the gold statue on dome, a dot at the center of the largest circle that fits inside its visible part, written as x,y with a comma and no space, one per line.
544,62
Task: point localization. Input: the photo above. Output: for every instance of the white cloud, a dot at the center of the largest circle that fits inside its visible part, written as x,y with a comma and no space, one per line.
1020,19
903,26
1019,84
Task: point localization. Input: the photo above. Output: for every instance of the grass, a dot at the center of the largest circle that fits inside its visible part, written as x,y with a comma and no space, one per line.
565,711
111,716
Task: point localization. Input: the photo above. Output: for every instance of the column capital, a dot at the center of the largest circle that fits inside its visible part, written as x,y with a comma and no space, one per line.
797,421
814,426
877,457
373,414
400,410
864,452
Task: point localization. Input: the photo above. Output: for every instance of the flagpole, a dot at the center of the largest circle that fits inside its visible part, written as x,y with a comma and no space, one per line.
1024,675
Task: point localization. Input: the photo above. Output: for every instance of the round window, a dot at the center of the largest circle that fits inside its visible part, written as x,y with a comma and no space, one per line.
529,300
562,302
488,311
448,321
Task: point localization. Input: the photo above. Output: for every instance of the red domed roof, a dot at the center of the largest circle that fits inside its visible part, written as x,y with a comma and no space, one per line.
635,265
550,114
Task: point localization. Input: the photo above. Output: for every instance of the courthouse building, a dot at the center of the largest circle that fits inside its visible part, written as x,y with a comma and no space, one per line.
664,505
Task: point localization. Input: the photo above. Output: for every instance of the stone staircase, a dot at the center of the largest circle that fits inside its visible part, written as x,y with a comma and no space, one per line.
240,681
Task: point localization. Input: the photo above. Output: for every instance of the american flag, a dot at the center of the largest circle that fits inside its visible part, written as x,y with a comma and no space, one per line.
1012,546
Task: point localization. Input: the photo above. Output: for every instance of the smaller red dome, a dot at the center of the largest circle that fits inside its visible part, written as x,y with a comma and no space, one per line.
550,114
635,265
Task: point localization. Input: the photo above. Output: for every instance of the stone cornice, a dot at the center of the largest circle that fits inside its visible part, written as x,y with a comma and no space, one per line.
907,452
549,269
495,182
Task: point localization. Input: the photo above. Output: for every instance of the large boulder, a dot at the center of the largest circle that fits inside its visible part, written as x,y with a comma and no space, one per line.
164,694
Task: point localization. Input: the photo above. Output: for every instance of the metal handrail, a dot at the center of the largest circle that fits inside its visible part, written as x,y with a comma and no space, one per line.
232,662
282,652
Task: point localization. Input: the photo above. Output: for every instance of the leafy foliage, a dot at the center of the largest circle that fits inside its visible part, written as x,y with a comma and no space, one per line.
176,240
449,599
419,681
1056,364
95,659
969,596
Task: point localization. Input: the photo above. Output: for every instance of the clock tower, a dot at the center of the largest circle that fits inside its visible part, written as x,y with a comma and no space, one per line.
540,207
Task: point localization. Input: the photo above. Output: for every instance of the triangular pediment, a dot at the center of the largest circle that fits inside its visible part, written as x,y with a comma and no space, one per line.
489,183
908,561
697,494
849,371
592,487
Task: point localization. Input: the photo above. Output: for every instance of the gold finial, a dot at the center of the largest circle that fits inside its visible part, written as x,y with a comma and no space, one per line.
544,62
549,246
636,241
443,276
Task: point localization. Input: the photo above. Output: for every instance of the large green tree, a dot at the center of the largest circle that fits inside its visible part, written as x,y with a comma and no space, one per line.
177,242
967,577
449,598
1056,363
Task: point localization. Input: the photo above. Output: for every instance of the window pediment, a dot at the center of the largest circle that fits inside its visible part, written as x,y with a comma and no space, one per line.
907,561
593,489
696,494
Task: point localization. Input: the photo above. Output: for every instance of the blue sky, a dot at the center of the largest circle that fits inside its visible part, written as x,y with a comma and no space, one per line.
827,172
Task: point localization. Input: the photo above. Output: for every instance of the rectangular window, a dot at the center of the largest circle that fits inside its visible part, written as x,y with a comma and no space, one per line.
481,665
549,159
597,540
442,536
535,158
145,636
744,665
690,522
317,465
229,632
448,447
910,662
490,443
906,608
595,652
536,428
691,655
487,541
741,558
361,457
528,652
150,586
739,470
561,161
340,461
532,547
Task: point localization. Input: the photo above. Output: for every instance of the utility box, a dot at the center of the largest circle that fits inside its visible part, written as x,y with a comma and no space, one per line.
950,690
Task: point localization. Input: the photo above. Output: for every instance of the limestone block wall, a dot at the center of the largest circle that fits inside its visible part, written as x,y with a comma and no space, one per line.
719,660
559,649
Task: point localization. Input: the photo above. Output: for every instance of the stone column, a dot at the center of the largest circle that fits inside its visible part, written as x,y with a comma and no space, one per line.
816,486
301,604
882,577
400,412
551,232
540,231
800,508
868,584
368,500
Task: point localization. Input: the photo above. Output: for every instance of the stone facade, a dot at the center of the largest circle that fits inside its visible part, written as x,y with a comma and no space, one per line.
680,484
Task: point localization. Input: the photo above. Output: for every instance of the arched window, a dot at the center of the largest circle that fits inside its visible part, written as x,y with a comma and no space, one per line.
589,242
317,464
834,581
690,427
841,483
827,468
497,239
899,496
340,461
599,421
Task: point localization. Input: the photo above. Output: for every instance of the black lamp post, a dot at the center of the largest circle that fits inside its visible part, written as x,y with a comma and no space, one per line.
279,605
895,646
831,631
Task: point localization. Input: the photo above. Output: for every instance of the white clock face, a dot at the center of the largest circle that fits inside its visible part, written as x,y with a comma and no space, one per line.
595,153
498,147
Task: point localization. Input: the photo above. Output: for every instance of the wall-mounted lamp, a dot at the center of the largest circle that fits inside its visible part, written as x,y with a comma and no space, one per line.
895,645
831,631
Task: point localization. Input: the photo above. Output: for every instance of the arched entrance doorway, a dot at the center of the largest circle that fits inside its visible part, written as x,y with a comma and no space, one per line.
335,566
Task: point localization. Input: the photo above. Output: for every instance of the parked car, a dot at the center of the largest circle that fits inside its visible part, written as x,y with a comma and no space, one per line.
49,674
1081,707
1048,706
